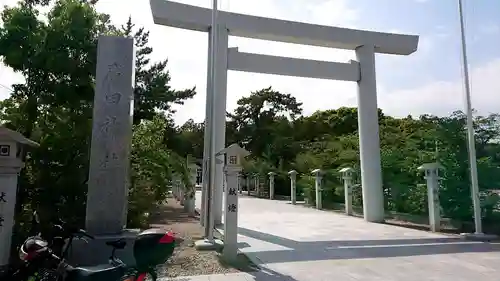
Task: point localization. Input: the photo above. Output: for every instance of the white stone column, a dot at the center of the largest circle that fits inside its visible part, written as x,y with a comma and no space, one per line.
347,177
108,184
220,97
271,185
318,176
431,175
293,186
369,141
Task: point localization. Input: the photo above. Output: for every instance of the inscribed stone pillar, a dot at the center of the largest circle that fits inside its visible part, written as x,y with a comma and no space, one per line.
432,176
107,196
231,214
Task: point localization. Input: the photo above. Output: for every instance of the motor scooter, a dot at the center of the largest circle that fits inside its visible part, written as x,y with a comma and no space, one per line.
46,260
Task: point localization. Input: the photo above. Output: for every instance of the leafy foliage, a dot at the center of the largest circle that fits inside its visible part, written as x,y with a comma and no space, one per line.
56,54
269,124
153,167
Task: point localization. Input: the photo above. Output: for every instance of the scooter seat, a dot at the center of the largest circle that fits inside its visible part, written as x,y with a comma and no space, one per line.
102,272
117,244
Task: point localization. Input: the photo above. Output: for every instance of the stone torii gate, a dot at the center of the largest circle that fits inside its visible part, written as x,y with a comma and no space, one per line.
362,71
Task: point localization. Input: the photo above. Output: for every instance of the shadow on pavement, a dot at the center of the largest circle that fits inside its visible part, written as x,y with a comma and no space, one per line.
358,249
270,275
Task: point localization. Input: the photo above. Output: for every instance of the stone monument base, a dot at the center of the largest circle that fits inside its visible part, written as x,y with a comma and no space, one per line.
96,251
206,245
482,237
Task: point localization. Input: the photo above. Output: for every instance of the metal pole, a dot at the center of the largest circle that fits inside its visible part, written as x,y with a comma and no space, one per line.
209,223
470,129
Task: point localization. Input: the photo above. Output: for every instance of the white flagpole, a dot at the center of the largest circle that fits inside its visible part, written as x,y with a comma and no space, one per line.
209,224
470,128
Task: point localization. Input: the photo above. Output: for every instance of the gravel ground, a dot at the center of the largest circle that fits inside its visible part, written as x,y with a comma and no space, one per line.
188,261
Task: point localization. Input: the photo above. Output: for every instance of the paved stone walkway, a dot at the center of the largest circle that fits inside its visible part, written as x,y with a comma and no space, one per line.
297,243
253,276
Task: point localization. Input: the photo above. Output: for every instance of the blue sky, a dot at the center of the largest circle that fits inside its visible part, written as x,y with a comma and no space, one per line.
437,22
428,81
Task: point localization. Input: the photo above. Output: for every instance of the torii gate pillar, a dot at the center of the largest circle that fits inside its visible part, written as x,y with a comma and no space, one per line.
369,139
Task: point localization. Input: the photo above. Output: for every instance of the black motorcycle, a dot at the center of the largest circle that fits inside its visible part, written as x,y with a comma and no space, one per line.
45,259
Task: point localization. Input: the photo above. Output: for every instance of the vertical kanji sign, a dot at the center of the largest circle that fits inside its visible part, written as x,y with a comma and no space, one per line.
234,153
3,201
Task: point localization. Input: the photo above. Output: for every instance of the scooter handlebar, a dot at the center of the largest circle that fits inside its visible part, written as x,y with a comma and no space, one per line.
75,231
84,233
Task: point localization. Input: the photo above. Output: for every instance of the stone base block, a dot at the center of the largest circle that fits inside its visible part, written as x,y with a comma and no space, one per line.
479,237
96,251
206,245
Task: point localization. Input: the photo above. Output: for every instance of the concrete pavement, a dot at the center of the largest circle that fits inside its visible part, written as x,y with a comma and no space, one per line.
252,276
298,243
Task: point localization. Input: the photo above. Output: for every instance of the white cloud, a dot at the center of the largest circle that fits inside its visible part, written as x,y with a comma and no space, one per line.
444,97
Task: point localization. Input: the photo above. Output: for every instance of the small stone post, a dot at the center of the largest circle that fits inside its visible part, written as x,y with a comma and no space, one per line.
271,185
179,189
240,188
257,184
347,177
181,186
234,156
11,145
174,186
190,196
318,174
431,174
247,183
293,186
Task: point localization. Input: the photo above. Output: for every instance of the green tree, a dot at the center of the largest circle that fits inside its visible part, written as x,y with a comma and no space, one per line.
56,55
152,168
254,122
152,90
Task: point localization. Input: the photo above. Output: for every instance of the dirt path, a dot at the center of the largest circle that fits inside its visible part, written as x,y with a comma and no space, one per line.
187,260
